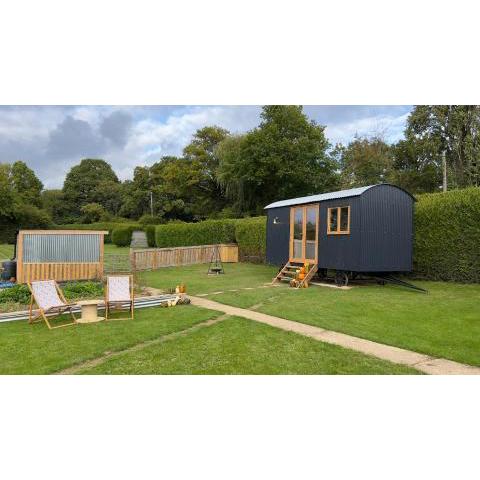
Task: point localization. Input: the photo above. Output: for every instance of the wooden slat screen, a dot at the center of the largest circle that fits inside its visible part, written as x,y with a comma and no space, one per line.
153,258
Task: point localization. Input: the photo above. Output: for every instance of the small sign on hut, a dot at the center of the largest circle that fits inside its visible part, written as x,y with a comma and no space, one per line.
59,255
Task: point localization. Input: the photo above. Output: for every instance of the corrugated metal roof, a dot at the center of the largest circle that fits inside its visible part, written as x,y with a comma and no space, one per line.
352,192
59,248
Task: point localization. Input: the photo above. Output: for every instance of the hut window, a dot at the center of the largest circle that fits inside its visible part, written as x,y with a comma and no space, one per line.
338,220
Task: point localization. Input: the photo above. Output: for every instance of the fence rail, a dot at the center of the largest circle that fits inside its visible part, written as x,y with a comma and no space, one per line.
153,258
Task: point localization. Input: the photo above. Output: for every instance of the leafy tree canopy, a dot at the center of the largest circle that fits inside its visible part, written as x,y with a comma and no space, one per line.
284,157
26,184
365,161
92,181
454,129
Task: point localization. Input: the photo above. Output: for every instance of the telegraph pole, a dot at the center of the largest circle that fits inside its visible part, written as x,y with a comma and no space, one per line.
444,168
151,203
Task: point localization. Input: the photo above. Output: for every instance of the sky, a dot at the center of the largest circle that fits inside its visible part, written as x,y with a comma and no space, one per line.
51,139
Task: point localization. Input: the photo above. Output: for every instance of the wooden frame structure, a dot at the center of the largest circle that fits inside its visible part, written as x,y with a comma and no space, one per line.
304,209
119,304
60,255
56,310
338,231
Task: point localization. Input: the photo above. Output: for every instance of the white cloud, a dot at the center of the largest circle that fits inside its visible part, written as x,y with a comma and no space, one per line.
52,139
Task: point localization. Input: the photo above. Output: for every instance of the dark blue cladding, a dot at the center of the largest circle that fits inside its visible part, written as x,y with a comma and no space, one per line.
278,235
381,231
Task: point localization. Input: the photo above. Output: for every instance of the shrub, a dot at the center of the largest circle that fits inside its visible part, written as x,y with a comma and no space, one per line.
25,217
202,233
72,290
75,290
447,236
122,236
150,220
92,212
250,235
17,294
150,230
108,226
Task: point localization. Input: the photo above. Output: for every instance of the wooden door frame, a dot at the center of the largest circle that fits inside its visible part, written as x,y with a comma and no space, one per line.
304,208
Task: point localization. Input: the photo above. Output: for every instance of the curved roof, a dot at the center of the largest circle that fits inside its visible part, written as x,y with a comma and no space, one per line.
352,192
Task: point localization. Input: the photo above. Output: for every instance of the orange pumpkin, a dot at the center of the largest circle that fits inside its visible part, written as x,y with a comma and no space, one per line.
301,276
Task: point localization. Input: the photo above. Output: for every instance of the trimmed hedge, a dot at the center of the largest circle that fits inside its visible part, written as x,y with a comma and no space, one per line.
208,232
122,236
251,236
150,231
447,236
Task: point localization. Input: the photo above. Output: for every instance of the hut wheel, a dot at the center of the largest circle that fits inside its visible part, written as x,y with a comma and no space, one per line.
341,278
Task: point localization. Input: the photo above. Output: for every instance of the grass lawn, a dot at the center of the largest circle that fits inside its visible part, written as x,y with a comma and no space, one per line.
444,323
240,346
238,275
111,248
6,251
33,349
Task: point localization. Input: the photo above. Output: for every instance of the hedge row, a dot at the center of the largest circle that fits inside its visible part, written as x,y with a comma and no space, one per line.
202,233
122,236
447,236
250,235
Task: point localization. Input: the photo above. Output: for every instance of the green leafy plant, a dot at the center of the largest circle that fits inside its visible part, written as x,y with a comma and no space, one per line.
122,236
76,290
17,294
202,233
250,235
447,236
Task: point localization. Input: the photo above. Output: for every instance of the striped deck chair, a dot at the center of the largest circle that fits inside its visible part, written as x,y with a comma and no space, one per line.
119,295
50,301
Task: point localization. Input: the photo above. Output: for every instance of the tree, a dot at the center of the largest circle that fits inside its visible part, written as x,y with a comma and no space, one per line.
175,186
136,194
177,190
54,204
8,195
26,184
92,212
365,161
413,170
284,157
15,211
453,129
92,181
200,152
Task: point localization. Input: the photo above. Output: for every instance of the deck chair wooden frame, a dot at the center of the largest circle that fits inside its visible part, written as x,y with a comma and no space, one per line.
119,304
53,311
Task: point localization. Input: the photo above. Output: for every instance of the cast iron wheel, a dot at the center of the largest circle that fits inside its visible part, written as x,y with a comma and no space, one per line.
341,278
321,273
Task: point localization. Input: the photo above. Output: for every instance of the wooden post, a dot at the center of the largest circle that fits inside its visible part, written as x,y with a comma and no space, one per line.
19,241
101,259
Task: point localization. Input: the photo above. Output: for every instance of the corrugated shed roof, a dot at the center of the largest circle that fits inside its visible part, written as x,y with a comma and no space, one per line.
352,192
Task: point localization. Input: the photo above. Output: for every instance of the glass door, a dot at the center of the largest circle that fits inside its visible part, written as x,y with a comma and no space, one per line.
311,245
304,234
297,240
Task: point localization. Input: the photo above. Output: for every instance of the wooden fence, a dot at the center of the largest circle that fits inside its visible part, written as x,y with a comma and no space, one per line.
153,258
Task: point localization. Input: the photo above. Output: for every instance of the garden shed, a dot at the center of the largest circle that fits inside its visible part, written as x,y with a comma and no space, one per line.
360,230
59,254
